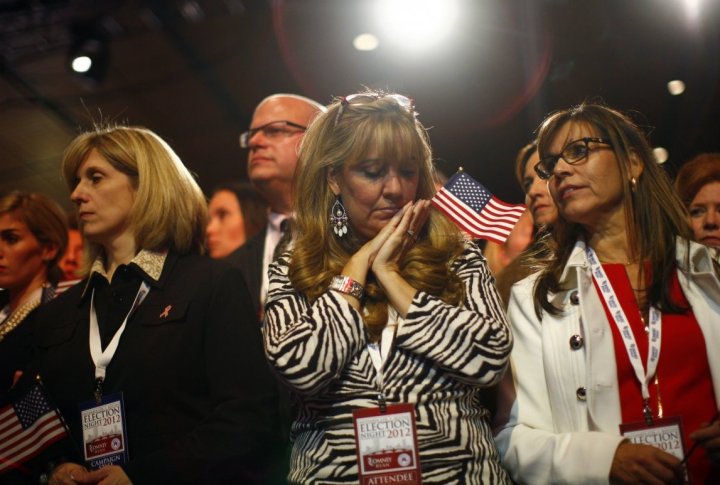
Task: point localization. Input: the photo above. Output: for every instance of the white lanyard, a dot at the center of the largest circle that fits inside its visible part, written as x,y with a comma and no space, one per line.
379,353
623,326
101,358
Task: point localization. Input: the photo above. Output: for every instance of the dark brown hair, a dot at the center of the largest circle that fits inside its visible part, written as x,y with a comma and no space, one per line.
655,215
253,207
521,161
45,220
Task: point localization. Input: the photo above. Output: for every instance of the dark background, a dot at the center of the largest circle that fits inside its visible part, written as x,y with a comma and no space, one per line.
193,72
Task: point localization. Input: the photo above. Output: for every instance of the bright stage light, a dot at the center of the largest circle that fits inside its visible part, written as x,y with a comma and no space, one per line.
693,8
366,42
416,24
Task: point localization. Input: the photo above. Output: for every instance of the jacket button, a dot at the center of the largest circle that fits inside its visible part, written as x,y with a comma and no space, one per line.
574,297
581,393
576,342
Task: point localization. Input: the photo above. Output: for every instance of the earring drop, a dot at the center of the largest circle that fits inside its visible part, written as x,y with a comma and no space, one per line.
339,218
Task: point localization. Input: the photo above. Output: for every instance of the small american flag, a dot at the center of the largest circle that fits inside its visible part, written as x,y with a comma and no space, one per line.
28,425
475,210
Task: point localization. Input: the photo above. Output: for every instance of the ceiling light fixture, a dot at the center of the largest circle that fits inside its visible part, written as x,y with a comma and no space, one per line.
676,87
81,64
88,56
661,155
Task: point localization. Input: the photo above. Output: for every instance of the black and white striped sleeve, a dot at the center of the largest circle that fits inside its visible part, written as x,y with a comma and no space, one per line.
308,345
471,342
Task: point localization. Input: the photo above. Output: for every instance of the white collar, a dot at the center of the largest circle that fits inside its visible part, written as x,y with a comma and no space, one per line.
275,219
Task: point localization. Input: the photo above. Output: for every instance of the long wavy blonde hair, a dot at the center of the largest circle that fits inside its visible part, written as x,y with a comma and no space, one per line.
346,133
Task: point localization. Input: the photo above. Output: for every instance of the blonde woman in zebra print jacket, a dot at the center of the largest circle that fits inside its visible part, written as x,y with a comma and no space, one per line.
368,261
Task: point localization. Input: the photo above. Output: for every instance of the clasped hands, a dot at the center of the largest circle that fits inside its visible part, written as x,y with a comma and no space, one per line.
72,474
382,254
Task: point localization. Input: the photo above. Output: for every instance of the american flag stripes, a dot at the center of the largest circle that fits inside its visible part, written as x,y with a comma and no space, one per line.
475,210
28,425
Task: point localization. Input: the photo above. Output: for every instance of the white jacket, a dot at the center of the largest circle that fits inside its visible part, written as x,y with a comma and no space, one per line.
545,432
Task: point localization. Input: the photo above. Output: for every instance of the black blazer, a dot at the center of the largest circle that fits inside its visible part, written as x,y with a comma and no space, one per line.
249,259
15,350
16,347
199,397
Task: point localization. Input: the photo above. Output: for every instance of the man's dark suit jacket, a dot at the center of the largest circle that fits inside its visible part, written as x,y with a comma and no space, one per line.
249,259
199,398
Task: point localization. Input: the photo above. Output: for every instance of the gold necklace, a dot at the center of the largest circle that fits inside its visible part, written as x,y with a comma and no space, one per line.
17,317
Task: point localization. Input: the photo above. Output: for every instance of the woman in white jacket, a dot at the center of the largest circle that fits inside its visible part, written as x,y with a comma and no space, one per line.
622,283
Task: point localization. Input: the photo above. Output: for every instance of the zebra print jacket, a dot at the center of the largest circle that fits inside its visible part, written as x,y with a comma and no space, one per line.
442,357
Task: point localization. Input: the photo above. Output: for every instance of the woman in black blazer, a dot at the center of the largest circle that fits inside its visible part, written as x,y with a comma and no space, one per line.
171,330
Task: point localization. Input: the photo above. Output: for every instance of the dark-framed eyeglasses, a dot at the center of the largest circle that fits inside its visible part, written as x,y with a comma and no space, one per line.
573,153
272,130
408,104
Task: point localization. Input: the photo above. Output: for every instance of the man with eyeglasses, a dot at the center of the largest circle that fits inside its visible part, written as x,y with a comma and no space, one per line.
277,127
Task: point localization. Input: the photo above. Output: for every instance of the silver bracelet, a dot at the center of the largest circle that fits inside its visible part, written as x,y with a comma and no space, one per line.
347,285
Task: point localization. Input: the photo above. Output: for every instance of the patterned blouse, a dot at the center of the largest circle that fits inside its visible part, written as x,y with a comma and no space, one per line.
442,357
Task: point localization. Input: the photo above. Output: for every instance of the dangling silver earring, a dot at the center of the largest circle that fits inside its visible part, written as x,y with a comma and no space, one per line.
339,218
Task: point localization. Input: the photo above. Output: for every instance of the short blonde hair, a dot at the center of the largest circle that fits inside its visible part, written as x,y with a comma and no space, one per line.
169,212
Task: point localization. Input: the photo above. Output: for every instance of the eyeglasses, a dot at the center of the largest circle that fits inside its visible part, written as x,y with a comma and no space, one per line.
272,130
573,153
408,104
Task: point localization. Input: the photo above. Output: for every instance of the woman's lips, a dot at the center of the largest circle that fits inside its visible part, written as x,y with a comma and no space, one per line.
258,160
711,241
387,211
568,191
